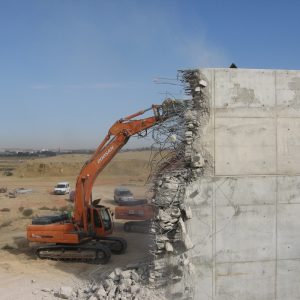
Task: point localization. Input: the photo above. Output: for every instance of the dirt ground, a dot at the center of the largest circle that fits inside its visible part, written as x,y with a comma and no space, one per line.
22,275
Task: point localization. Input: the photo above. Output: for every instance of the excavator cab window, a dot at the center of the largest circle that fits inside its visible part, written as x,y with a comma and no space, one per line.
97,221
106,219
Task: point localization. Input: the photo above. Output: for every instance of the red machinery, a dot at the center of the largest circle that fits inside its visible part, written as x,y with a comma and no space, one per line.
139,217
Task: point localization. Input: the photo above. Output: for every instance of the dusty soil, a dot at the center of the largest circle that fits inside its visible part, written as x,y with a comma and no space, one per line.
22,275
133,164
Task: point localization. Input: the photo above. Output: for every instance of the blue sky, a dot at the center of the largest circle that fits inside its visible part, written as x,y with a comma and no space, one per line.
69,69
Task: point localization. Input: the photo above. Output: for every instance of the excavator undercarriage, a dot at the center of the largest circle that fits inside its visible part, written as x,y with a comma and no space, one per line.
98,251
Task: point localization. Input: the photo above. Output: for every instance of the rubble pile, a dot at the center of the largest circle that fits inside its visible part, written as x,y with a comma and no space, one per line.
128,284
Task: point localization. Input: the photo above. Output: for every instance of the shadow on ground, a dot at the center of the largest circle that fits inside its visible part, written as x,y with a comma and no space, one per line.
138,250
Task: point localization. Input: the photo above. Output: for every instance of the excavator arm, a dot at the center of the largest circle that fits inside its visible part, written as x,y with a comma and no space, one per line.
116,138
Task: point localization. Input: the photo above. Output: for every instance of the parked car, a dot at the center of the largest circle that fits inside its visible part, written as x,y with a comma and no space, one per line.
123,195
62,188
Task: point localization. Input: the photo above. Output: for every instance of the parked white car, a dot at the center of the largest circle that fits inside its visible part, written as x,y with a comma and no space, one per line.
123,195
62,188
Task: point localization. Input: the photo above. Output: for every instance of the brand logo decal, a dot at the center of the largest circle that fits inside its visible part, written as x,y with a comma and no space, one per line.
110,149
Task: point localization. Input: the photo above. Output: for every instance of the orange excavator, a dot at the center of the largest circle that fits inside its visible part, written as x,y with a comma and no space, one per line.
86,236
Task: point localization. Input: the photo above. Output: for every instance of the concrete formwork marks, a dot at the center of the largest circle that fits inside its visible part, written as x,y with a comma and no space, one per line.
246,213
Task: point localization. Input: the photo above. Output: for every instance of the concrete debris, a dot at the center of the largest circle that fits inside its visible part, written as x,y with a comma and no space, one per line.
65,292
176,213
126,274
127,284
188,242
12,195
108,283
134,289
159,264
15,192
203,83
197,161
189,134
173,138
23,191
113,276
191,268
168,218
182,226
101,293
3,189
186,211
169,247
5,209
198,116
135,276
118,271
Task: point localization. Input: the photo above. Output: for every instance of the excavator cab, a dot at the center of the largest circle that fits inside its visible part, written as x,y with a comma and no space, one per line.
101,220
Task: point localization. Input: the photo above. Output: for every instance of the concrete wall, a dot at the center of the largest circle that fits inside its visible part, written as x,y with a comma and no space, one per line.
246,213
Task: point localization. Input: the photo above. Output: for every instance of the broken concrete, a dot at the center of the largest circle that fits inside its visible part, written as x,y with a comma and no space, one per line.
125,284
65,292
3,189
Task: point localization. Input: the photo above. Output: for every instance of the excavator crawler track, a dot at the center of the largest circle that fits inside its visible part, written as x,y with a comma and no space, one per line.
116,245
89,253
